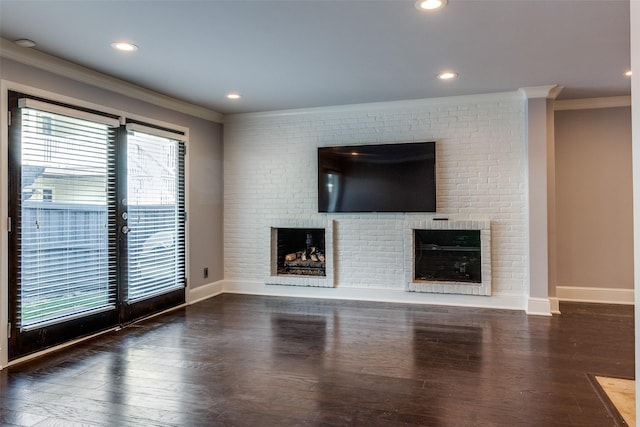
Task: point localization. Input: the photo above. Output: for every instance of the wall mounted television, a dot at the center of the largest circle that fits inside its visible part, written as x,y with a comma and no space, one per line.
397,177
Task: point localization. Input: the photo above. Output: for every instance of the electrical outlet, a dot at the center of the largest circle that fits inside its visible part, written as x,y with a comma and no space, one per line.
206,272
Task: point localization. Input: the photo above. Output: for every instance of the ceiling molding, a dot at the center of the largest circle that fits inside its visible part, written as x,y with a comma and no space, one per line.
592,103
555,92
34,58
372,107
549,91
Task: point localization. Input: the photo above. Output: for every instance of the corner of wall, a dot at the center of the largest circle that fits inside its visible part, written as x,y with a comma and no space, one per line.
204,292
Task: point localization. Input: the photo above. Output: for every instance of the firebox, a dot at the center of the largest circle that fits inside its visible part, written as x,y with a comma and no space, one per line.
301,251
448,256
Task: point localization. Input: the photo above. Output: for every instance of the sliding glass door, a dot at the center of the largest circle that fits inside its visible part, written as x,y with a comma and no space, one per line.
97,233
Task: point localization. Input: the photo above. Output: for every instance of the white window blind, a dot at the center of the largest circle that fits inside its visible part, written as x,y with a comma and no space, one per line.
155,204
66,260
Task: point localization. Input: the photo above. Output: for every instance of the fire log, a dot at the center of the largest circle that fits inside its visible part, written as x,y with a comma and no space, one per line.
290,257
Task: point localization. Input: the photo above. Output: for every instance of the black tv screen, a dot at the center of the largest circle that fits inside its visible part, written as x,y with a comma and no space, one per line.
377,178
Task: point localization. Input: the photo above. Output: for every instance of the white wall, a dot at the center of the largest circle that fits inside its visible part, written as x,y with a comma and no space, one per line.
270,174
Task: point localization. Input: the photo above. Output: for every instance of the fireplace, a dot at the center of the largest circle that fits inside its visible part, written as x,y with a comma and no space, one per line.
448,256
301,253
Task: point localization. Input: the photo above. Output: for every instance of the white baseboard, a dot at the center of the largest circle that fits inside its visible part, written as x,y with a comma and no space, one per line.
205,291
532,306
538,307
497,301
597,295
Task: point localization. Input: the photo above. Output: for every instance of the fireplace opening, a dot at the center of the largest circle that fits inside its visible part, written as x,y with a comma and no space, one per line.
448,256
301,251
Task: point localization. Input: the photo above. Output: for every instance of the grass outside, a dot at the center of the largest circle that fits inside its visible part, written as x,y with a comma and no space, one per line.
39,310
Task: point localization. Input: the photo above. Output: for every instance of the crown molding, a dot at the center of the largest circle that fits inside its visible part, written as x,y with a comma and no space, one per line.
86,75
592,103
549,91
373,107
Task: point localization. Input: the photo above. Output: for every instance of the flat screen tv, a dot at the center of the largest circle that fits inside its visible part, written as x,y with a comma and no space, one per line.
377,178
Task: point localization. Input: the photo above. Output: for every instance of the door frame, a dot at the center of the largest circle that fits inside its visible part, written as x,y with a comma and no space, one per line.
5,87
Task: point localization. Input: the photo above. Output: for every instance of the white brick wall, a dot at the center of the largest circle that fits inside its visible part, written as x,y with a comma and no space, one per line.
270,176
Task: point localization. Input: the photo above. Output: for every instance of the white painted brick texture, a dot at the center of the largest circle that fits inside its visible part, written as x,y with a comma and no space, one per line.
270,175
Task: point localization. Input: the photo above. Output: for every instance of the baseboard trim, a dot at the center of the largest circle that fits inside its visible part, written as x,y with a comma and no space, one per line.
532,306
204,292
538,307
496,301
595,295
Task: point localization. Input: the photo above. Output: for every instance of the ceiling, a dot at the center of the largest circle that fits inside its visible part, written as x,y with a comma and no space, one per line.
310,53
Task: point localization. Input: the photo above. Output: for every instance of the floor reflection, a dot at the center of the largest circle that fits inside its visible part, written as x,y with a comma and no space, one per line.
298,335
250,360
456,347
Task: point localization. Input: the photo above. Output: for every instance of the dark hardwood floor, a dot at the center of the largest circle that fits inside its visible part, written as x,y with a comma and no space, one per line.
238,360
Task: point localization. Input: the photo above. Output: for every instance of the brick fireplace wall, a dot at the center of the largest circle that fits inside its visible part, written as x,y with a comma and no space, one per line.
270,177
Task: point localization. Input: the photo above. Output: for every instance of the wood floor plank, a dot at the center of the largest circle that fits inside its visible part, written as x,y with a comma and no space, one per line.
240,360
10,417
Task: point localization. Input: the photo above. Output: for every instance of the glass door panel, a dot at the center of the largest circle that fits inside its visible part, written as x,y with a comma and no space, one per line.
97,215
65,268
155,217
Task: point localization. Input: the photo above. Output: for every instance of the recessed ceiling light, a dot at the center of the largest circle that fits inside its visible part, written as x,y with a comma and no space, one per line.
447,75
233,96
430,4
628,73
124,46
25,43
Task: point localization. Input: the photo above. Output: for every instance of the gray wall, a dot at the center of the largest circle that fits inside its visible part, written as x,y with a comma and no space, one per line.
205,168
594,198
